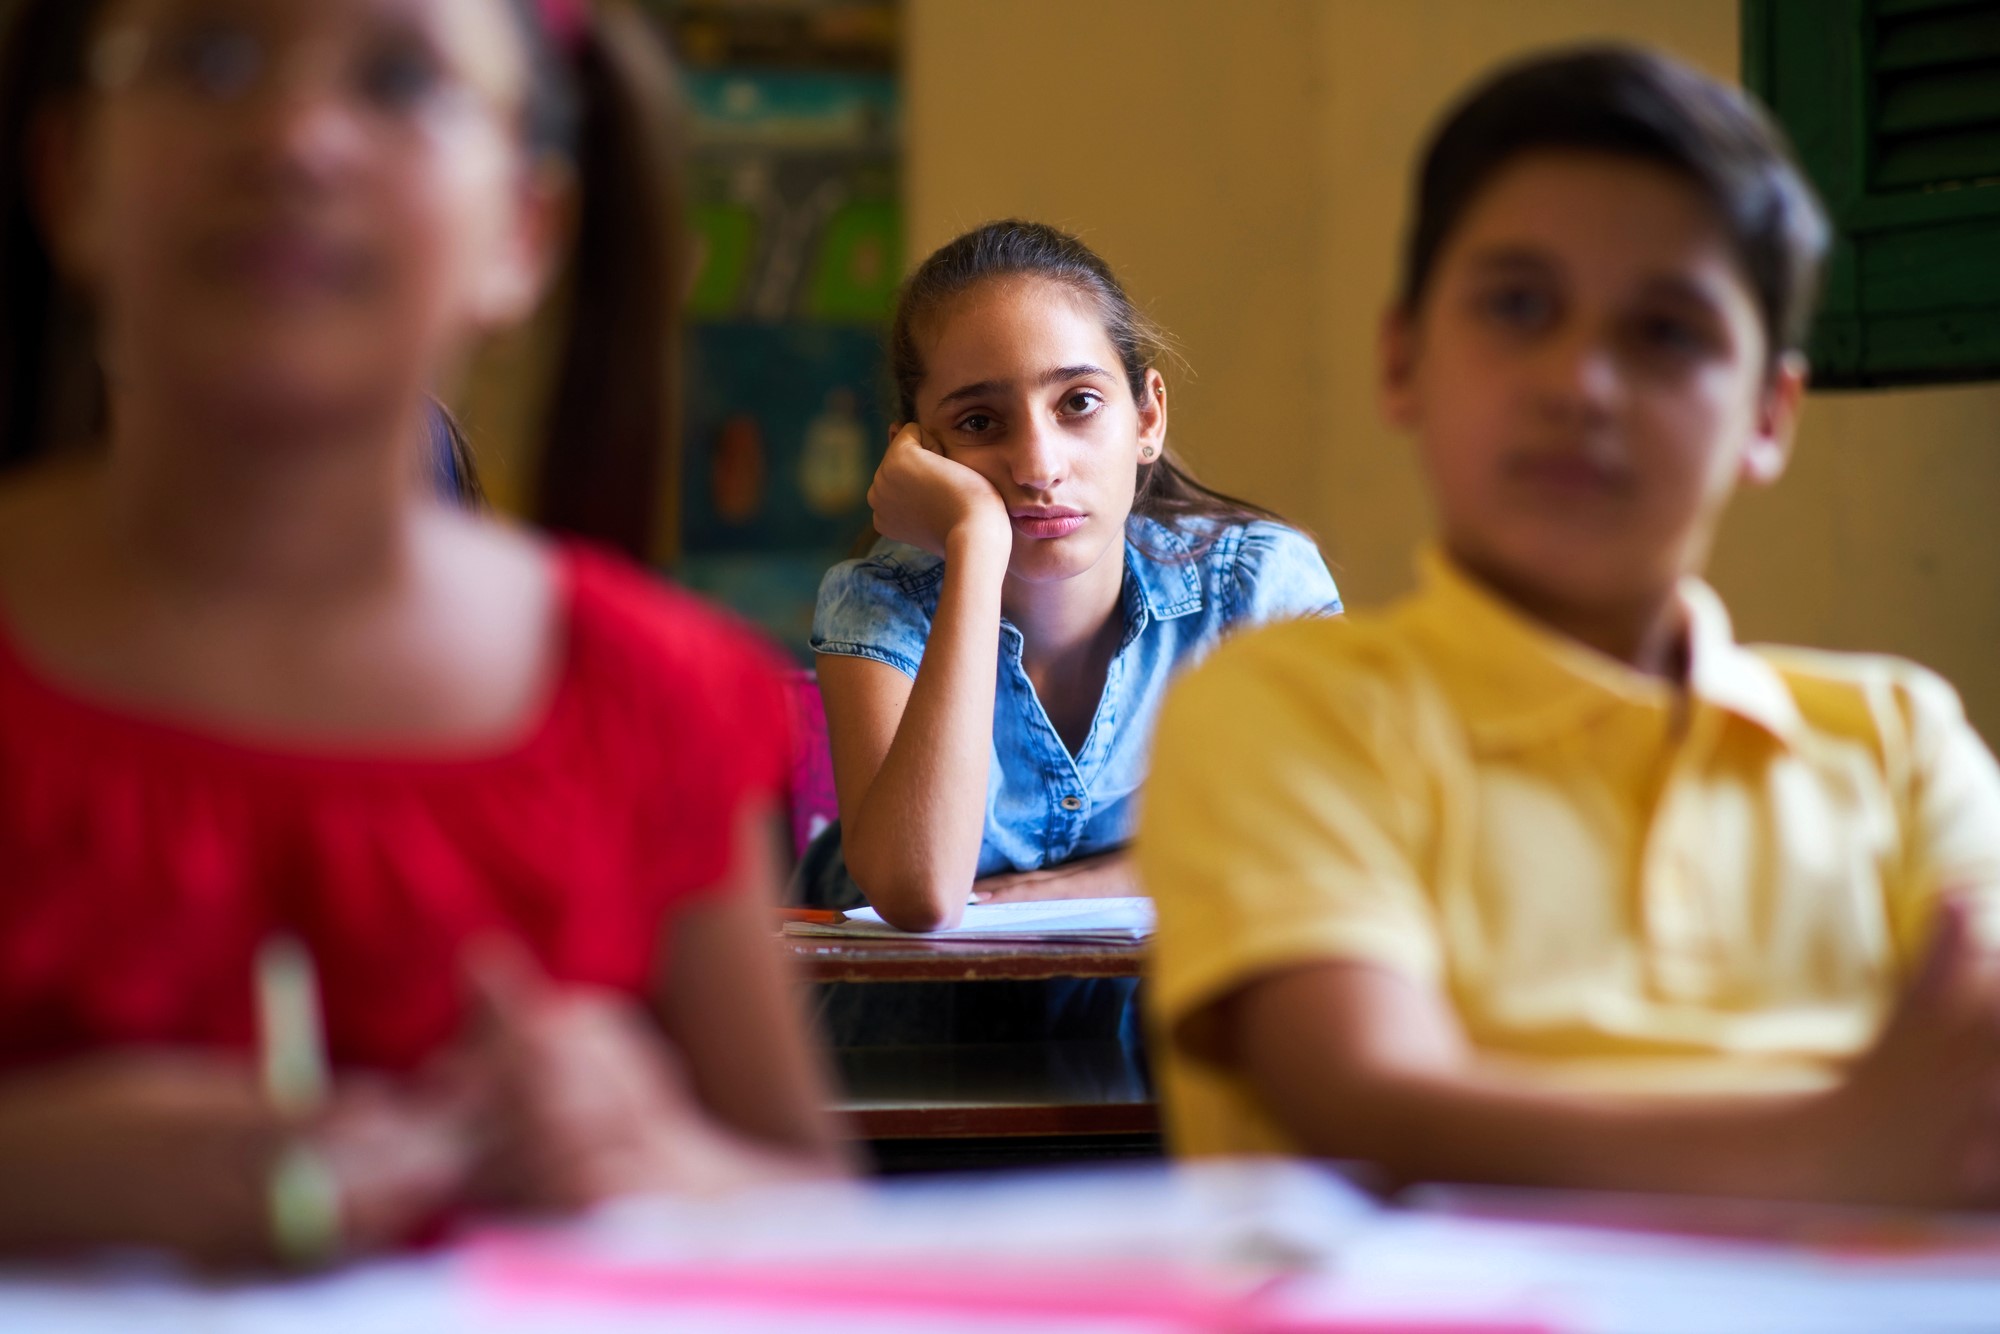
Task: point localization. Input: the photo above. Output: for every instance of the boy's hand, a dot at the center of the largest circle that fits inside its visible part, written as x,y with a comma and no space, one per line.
1917,1121
921,497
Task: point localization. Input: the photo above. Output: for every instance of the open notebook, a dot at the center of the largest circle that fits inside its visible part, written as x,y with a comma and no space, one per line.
1112,921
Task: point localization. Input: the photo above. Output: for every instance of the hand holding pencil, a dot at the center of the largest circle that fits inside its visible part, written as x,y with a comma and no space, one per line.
360,1166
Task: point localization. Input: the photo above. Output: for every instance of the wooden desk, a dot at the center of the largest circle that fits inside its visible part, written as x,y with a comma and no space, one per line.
972,1105
940,959
994,1091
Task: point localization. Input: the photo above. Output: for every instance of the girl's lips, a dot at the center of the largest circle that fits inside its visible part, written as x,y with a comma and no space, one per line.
282,263
1043,525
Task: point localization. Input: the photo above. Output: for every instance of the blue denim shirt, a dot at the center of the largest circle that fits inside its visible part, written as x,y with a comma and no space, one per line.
1043,805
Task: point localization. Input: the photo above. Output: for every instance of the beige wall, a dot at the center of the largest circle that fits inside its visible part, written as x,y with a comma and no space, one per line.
1243,165
1169,134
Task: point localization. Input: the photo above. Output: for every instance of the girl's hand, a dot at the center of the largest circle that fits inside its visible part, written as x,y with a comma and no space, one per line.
402,1154
174,1151
1106,876
921,497
590,1102
1917,1121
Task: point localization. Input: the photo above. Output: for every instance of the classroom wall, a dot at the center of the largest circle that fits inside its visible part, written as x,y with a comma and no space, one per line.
1243,166
1168,134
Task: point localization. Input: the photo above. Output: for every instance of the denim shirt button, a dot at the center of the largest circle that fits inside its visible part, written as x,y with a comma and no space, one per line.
1072,803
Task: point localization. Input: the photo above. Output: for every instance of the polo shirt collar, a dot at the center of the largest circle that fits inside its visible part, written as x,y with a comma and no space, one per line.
1516,681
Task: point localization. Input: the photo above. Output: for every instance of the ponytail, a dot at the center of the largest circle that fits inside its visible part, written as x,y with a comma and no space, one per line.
607,441
50,392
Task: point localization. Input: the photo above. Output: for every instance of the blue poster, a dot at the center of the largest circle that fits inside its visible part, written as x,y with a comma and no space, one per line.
785,424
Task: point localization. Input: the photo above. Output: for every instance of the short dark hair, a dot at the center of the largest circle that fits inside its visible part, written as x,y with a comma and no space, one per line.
1638,104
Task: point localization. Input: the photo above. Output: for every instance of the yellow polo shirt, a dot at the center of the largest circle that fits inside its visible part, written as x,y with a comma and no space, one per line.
1620,884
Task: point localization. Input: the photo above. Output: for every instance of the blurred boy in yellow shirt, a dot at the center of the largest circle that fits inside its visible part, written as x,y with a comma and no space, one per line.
1539,877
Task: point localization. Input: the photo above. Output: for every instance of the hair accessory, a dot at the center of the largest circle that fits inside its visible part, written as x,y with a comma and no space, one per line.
565,21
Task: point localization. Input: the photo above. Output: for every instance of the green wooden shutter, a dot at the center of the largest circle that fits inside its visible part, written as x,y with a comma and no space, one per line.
1894,106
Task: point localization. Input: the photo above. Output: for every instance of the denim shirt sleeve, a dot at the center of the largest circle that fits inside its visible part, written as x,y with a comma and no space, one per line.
865,610
1278,575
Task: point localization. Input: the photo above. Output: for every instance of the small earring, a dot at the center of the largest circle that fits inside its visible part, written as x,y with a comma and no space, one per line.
1147,453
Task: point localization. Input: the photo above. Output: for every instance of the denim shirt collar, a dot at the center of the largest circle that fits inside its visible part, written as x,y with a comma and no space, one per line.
1160,567
1162,580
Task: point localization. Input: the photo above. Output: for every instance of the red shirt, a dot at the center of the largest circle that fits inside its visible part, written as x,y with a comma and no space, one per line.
142,862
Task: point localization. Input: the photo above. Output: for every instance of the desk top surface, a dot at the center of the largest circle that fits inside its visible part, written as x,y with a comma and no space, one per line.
821,959
1105,1253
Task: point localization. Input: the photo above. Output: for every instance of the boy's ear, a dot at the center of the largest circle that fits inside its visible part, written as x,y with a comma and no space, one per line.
1778,408
1396,352
1152,407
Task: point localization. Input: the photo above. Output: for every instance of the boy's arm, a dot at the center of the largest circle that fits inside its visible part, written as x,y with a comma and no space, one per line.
1286,837
1356,1061
1952,805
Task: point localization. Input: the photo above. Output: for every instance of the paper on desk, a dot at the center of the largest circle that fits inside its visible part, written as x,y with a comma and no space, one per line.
1081,921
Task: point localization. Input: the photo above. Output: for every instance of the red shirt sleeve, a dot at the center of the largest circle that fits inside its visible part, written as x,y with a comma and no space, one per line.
706,711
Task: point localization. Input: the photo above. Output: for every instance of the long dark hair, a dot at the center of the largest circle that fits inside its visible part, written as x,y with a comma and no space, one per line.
1166,490
603,97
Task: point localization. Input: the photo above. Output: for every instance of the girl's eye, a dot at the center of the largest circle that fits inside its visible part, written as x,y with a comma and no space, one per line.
401,77
215,60
1082,403
975,423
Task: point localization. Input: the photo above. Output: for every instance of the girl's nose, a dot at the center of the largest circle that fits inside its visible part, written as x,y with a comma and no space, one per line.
1036,461
302,128
290,103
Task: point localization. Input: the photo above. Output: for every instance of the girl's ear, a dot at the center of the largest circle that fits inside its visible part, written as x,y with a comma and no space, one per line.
1152,407
543,230
1396,349
1778,407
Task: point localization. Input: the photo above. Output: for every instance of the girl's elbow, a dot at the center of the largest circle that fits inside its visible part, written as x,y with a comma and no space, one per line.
921,908
908,902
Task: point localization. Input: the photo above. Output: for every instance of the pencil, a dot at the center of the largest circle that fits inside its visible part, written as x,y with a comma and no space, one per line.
291,1038
816,916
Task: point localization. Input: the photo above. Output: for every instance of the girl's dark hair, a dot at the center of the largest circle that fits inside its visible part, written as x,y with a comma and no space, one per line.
1637,104
608,104
1012,248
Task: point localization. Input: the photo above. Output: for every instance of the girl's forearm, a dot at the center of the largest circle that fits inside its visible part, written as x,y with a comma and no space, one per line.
913,846
1102,875
105,1151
